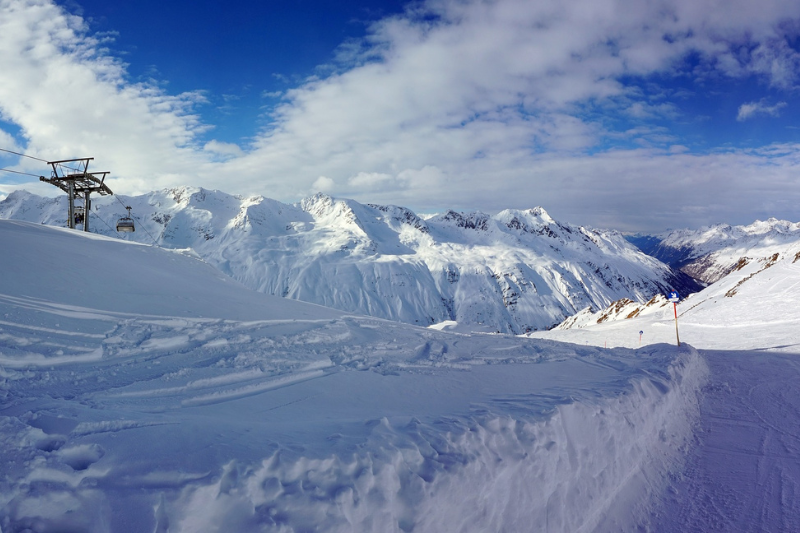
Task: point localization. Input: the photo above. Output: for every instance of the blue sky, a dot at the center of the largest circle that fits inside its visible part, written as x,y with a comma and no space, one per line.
617,113
236,52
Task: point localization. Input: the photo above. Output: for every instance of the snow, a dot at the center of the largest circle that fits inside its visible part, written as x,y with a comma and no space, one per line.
710,253
516,271
743,475
742,472
142,390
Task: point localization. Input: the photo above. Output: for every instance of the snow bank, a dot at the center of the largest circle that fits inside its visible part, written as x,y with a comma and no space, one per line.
589,466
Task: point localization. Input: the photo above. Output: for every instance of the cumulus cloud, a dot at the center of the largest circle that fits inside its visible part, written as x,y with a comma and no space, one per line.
368,180
72,100
8,142
752,109
223,149
323,184
453,103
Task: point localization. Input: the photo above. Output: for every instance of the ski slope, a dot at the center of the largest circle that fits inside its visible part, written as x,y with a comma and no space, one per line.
141,390
742,472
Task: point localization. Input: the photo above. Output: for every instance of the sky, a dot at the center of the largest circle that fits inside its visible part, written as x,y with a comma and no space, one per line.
625,114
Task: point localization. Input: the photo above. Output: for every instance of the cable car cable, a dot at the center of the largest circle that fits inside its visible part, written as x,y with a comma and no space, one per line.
18,172
23,155
37,159
141,225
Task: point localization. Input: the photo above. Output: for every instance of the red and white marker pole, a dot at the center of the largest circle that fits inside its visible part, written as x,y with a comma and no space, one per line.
674,298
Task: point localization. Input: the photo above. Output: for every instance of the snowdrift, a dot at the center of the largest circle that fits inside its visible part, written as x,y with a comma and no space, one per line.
173,399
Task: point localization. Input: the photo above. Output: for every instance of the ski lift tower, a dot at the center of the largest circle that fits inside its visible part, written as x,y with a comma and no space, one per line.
80,183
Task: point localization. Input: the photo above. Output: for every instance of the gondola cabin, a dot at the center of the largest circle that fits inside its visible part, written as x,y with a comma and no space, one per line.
125,224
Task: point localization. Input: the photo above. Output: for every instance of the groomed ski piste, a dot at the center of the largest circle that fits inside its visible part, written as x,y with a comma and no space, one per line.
142,390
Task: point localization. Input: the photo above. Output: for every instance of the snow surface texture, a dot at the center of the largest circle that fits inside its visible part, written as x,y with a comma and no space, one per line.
513,272
742,471
143,391
709,254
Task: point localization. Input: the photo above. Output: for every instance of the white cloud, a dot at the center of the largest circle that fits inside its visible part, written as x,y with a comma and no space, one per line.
368,180
323,184
752,109
8,142
223,149
71,100
455,103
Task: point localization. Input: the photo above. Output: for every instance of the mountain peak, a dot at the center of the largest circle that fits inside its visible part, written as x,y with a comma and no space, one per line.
539,212
472,220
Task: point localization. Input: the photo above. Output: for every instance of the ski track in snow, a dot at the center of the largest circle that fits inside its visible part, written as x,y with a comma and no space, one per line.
172,423
256,414
744,472
743,467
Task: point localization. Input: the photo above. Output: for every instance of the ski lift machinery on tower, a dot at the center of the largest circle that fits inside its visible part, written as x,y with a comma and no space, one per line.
80,184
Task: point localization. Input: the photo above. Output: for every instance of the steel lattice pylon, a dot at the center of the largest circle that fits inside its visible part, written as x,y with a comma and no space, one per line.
79,184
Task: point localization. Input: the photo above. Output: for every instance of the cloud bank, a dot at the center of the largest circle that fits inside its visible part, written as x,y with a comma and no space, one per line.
462,104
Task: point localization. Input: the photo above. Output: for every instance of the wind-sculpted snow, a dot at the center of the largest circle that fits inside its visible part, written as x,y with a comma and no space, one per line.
353,424
517,271
292,417
742,471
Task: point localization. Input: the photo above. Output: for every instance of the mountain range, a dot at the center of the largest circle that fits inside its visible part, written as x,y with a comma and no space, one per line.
708,254
516,271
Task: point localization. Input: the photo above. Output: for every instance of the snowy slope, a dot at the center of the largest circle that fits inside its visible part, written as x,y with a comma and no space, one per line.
742,471
140,390
709,253
623,309
753,307
513,272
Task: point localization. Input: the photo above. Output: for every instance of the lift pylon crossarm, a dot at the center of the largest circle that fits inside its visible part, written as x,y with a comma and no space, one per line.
80,184
87,159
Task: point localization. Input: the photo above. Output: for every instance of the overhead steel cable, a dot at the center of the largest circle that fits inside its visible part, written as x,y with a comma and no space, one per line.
140,225
101,220
23,155
18,172
36,158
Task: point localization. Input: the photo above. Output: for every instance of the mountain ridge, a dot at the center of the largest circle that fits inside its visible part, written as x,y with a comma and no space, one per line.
516,271
710,253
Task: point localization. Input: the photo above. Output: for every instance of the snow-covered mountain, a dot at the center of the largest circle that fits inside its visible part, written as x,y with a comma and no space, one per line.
710,253
752,308
755,299
620,310
512,272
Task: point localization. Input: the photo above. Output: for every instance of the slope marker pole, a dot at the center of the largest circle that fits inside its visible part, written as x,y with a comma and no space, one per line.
675,298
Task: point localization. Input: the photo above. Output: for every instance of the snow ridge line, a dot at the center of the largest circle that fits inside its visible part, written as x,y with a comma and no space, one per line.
591,466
